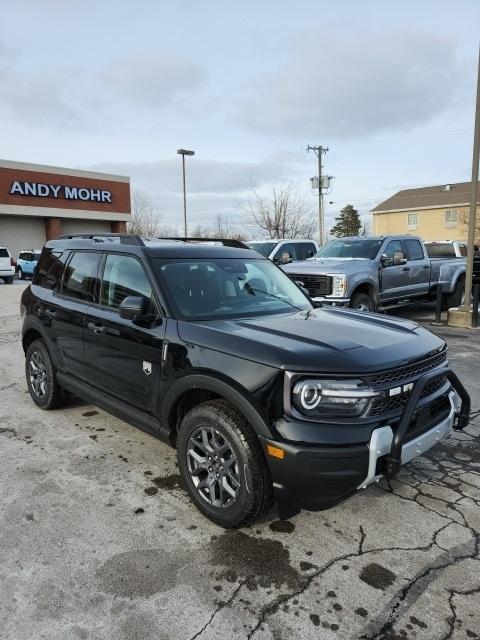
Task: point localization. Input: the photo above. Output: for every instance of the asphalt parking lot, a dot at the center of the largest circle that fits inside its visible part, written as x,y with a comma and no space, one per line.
99,541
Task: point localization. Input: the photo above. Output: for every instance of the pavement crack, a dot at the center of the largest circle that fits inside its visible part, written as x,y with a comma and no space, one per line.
221,605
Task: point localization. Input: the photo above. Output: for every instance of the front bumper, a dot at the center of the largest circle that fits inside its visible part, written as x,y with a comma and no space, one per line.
317,477
335,302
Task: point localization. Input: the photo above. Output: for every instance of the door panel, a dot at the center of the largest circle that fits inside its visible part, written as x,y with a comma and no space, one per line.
395,278
124,359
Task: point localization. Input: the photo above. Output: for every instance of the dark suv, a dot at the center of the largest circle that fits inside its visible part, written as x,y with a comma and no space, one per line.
211,347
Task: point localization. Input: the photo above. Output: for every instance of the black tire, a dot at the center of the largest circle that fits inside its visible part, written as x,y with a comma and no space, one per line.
8,280
362,302
41,377
455,299
254,491
20,274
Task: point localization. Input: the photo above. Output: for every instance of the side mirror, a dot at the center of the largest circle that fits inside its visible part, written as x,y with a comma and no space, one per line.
286,257
399,258
131,307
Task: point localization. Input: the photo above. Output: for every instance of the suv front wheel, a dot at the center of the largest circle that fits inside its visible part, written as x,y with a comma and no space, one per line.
41,377
222,465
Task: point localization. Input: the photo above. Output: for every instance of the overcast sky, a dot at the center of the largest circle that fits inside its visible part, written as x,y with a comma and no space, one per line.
120,85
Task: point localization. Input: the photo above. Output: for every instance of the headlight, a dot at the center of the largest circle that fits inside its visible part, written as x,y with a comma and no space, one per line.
340,398
339,285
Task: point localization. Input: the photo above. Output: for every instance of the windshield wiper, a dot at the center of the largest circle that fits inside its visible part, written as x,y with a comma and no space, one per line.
251,290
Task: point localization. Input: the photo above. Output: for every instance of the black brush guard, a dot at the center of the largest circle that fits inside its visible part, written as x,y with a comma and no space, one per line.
393,461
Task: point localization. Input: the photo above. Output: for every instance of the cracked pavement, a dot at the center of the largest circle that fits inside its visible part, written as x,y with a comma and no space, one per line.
99,541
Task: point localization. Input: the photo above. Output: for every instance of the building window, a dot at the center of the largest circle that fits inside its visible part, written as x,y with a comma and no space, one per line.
412,221
451,218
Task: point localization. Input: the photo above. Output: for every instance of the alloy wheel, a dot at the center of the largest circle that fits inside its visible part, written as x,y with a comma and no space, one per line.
37,372
213,467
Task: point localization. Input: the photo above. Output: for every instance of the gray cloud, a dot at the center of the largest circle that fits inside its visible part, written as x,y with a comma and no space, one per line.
355,86
153,83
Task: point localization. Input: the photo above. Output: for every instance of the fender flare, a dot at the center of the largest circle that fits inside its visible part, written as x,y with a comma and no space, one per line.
225,389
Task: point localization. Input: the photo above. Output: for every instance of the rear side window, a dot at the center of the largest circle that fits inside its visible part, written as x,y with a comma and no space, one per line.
123,276
440,250
4,253
463,250
80,276
414,250
49,269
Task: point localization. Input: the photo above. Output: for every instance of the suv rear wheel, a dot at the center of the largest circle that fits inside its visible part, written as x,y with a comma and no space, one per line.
41,377
222,465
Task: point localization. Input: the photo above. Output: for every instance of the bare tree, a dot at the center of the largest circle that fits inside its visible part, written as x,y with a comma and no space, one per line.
284,214
146,219
225,229
464,217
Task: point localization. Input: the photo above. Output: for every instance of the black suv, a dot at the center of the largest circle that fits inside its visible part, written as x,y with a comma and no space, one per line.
211,347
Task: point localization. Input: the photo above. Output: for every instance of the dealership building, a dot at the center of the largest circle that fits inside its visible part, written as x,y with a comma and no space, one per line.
39,203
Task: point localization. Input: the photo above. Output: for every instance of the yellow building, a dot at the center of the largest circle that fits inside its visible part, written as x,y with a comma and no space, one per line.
433,213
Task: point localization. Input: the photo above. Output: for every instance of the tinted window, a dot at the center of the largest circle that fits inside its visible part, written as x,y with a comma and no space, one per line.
305,250
123,276
225,288
265,248
4,253
289,248
414,250
80,276
392,246
440,250
49,269
366,249
27,256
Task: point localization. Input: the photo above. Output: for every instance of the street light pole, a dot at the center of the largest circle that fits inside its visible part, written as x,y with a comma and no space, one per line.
183,153
318,150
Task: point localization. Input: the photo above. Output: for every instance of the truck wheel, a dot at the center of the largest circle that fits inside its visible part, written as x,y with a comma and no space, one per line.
362,302
8,280
222,465
41,377
456,298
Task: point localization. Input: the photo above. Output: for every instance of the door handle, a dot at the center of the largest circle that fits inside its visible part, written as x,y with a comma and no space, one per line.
406,269
50,313
426,266
96,327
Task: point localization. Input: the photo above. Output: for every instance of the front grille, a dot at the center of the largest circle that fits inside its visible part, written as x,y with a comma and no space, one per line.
397,403
407,372
316,285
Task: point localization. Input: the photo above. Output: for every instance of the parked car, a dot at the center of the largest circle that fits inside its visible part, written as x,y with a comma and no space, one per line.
285,251
446,249
7,266
26,263
215,350
378,272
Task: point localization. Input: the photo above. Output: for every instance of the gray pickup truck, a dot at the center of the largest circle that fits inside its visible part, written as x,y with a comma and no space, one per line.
378,272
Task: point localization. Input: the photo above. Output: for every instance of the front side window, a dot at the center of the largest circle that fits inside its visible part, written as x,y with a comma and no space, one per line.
412,220
123,276
451,218
286,253
226,288
390,249
80,277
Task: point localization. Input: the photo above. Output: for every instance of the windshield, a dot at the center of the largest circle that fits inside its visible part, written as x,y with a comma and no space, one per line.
367,249
265,248
224,288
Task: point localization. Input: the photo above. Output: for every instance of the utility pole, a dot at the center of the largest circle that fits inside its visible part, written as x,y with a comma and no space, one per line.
473,197
319,150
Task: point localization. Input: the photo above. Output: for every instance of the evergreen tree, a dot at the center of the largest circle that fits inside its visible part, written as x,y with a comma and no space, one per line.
348,223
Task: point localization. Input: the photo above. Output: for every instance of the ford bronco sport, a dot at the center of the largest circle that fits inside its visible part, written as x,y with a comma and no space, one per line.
211,347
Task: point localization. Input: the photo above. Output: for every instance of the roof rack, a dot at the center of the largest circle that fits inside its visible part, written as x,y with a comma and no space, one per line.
227,242
121,238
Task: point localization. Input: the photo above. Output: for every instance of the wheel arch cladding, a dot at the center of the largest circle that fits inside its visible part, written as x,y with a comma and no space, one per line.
197,388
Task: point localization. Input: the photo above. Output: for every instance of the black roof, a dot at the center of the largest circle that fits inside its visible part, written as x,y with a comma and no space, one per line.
158,247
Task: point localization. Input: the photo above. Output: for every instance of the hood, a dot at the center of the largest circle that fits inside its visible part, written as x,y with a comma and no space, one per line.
328,265
325,339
